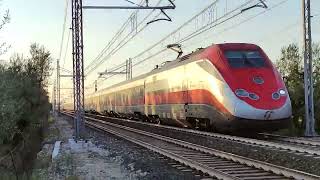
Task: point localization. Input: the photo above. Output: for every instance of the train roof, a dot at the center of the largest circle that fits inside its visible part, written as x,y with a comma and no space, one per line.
237,46
168,64
164,65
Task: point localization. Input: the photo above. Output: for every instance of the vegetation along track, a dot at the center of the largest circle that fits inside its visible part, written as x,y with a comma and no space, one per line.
215,163
290,145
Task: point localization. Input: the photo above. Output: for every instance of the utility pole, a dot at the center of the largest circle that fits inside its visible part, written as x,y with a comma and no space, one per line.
308,70
127,72
77,36
77,51
54,98
128,69
58,86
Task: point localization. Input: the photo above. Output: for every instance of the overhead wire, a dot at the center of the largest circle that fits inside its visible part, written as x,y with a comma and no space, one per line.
210,27
271,36
113,40
121,65
169,35
122,28
195,34
63,30
124,41
176,30
163,39
244,21
133,3
250,18
117,67
66,70
67,46
63,27
199,31
205,29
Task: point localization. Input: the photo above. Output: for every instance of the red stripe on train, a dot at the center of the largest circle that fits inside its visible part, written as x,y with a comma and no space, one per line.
198,96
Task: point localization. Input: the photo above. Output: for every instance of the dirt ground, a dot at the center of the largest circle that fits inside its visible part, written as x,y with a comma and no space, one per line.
76,160
102,157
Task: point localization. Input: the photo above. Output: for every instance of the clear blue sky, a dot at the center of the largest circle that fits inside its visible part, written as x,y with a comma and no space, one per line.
41,21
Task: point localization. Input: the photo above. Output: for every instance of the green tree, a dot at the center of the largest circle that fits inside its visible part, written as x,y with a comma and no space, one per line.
11,105
316,75
5,19
290,65
23,100
38,65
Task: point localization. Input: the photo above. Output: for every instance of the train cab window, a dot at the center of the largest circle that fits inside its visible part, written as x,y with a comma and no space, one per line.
241,59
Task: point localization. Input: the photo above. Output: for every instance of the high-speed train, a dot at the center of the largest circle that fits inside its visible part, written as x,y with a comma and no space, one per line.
231,87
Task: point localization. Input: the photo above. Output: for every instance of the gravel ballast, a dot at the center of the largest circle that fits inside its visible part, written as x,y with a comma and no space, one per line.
104,156
265,154
138,159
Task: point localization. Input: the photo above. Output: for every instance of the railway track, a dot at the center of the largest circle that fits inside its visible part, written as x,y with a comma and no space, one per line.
293,140
215,163
290,145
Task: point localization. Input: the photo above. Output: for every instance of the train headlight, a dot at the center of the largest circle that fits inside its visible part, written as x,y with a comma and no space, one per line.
253,96
276,96
242,93
282,92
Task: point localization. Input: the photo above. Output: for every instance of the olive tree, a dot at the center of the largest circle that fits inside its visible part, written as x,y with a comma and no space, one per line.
23,98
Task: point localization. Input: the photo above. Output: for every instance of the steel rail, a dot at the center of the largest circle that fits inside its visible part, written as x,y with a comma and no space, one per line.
295,140
243,160
292,148
176,157
278,170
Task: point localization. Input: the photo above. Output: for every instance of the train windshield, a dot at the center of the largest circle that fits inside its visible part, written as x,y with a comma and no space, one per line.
241,59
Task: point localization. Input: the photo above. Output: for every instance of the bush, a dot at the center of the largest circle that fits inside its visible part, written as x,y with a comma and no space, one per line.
290,65
23,99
